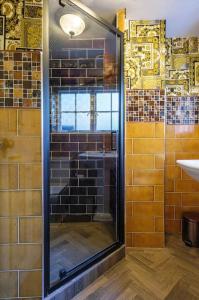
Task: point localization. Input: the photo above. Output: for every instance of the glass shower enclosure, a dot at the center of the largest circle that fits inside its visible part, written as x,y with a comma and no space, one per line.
83,126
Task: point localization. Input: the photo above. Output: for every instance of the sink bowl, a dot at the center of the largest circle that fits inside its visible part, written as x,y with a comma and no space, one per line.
191,167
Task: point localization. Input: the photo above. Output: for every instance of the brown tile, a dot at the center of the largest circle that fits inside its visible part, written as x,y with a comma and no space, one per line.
30,176
30,284
169,212
173,199
173,226
190,199
8,284
36,75
30,230
154,240
8,230
129,209
20,203
8,176
186,186
20,257
29,122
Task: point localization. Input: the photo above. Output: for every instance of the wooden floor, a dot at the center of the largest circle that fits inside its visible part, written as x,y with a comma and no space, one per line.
150,274
73,243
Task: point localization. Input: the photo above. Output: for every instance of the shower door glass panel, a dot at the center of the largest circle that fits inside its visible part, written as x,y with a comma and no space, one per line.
84,135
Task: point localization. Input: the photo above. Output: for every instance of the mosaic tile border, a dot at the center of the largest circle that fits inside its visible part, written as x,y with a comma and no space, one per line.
20,79
145,105
182,110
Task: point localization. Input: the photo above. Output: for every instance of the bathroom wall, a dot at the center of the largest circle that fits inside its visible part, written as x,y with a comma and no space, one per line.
182,139
20,150
20,174
145,149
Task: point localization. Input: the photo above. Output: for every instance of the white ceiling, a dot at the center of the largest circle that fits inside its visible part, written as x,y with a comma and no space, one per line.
182,16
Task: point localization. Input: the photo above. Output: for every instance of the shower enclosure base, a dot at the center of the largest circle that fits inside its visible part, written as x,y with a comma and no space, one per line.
79,283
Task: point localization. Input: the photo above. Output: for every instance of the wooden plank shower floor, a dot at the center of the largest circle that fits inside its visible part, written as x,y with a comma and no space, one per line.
171,273
73,243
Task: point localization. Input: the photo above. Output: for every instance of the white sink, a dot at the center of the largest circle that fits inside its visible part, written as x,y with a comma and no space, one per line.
191,167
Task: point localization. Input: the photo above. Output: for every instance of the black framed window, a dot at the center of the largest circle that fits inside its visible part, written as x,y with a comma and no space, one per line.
85,112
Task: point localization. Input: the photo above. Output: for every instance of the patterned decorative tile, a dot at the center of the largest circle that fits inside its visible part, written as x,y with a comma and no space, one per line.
181,76
22,25
182,110
20,79
145,105
144,54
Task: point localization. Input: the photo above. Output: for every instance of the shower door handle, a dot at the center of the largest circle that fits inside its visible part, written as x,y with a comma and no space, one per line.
112,141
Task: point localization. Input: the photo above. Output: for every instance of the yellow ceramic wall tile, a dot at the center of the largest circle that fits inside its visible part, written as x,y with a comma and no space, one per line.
128,176
148,177
129,209
186,155
140,161
30,284
170,158
159,130
20,203
155,240
159,224
140,224
128,146
8,230
182,145
120,19
30,230
173,172
159,193
29,122
30,176
140,129
20,257
141,209
159,161
139,193
170,131
128,239
8,176
8,122
8,284
148,146
20,149
187,131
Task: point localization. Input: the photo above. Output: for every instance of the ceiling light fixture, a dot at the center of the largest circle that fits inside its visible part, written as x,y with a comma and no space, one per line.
72,24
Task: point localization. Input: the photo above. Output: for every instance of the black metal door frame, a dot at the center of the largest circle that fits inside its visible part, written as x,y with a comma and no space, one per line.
46,148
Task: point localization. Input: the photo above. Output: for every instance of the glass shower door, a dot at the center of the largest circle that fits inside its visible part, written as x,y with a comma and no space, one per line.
84,158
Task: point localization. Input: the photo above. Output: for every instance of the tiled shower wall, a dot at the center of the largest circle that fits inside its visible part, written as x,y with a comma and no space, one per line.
20,175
